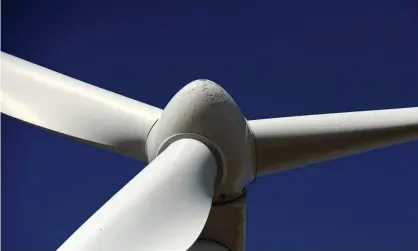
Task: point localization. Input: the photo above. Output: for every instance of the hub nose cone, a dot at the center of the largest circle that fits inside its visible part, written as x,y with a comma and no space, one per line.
203,110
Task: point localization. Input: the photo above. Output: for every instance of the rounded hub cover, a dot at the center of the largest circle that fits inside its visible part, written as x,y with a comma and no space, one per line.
205,111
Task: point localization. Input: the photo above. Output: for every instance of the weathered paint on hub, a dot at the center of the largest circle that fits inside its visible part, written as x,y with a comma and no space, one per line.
205,111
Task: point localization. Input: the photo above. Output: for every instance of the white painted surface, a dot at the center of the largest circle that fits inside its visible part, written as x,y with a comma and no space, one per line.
205,111
284,143
163,208
67,106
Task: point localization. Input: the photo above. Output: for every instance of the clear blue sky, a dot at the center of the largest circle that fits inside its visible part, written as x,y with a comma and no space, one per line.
276,58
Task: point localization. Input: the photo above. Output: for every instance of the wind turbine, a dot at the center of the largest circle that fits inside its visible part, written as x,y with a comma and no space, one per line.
201,150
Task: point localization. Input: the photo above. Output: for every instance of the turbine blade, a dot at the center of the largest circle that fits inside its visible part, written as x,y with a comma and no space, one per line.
69,107
291,142
163,208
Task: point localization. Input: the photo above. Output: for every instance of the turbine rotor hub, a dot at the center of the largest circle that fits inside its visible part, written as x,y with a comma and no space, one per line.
204,111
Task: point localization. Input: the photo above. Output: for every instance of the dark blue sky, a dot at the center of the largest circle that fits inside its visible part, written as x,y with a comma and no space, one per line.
276,58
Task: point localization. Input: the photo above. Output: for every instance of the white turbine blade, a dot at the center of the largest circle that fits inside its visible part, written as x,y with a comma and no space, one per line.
73,108
285,143
164,208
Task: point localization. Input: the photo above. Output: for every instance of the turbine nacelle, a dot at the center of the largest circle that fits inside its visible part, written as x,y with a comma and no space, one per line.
204,111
